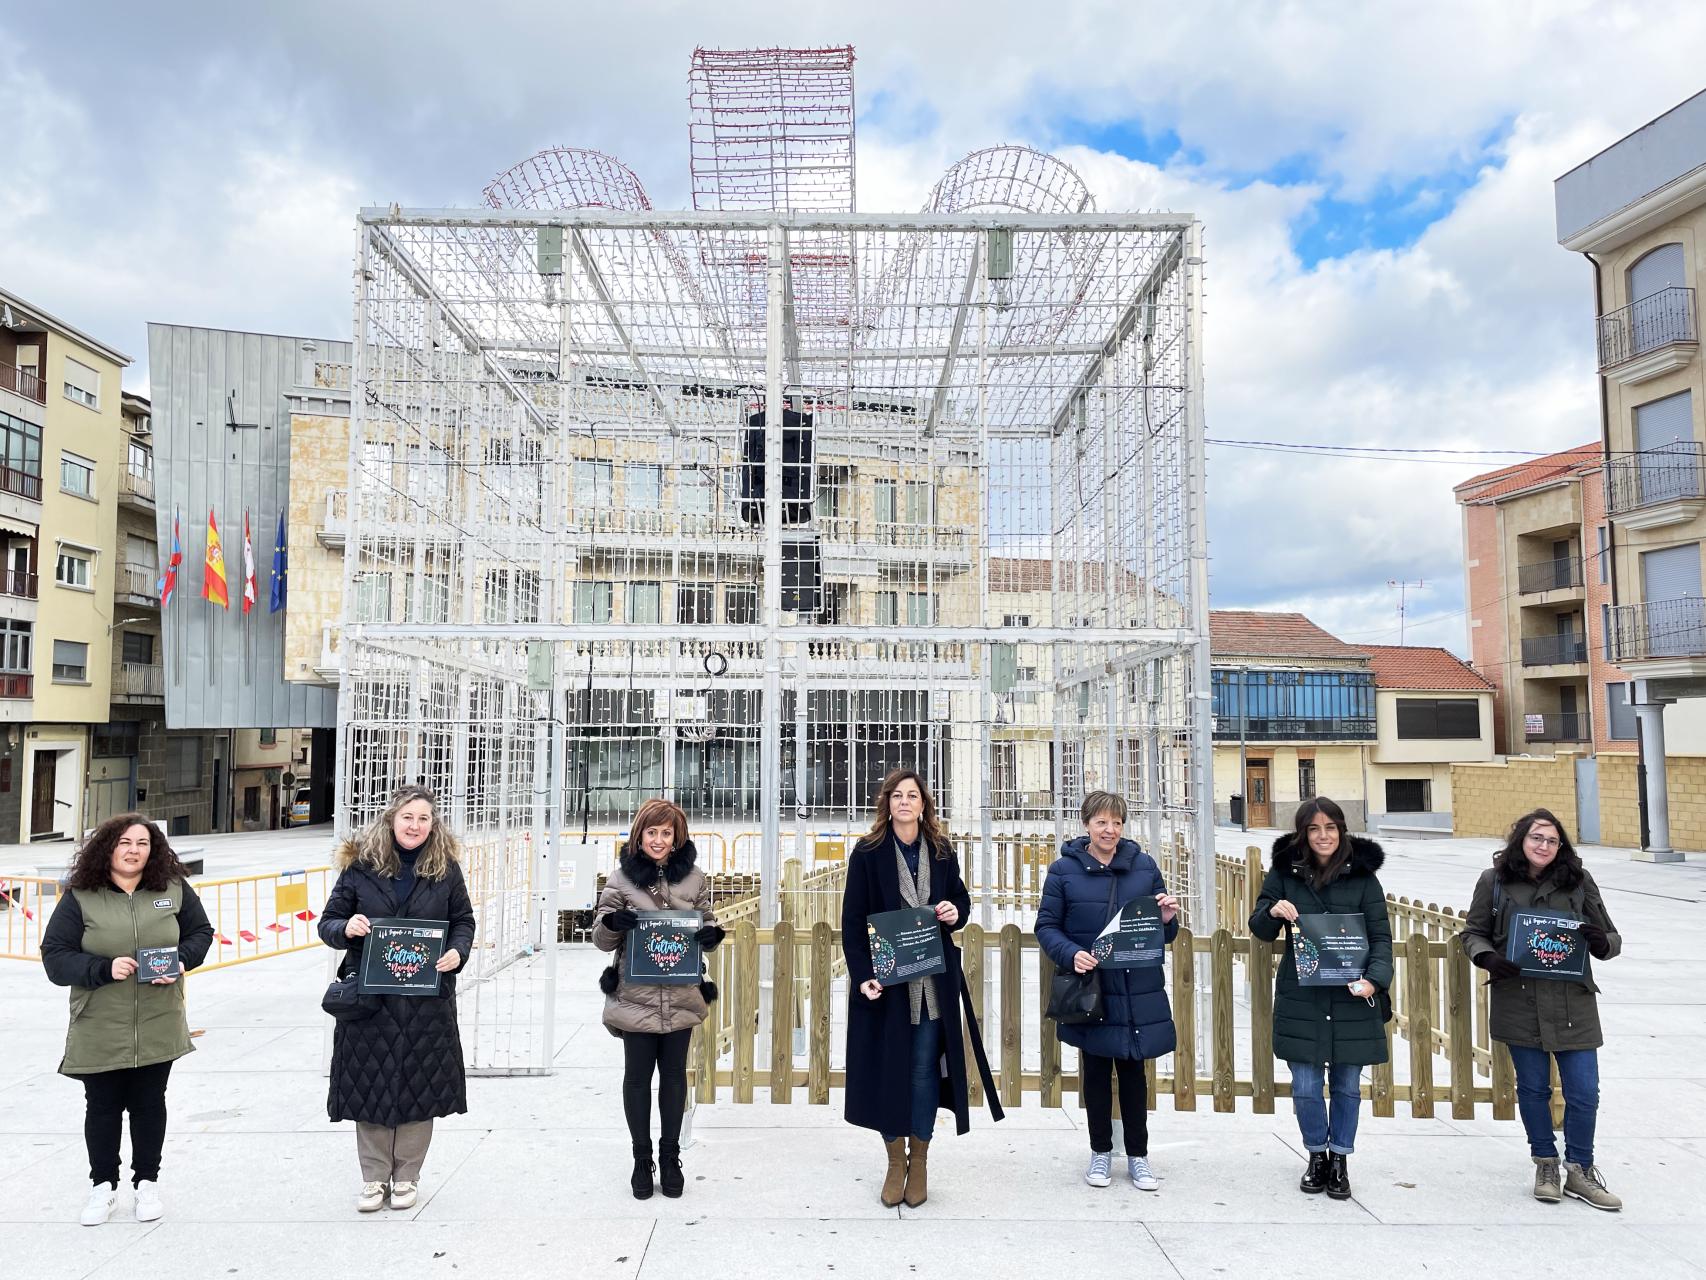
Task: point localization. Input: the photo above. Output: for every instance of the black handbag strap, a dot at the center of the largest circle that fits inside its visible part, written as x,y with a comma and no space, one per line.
1113,889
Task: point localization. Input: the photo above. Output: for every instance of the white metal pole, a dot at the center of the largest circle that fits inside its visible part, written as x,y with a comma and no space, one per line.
770,743
1202,768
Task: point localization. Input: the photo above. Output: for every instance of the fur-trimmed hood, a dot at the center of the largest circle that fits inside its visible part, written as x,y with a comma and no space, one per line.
642,871
1367,857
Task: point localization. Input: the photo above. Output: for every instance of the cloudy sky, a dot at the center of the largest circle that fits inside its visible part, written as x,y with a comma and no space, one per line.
1376,183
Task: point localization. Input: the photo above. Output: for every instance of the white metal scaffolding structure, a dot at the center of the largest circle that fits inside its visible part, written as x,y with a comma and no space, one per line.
980,550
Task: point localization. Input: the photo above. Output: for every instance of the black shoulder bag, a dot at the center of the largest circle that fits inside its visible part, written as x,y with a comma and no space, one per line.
343,998
1075,999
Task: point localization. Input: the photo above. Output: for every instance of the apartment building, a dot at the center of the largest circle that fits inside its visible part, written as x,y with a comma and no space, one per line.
1537,576
1637,212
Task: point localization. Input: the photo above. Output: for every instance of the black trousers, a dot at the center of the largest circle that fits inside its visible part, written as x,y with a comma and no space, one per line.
645,1052
1098,1075
109,1094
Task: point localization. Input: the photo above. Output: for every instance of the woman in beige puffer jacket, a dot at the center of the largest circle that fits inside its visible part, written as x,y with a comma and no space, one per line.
656,872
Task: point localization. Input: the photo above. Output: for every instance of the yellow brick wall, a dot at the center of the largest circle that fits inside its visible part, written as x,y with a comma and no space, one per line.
319,463
1619,812
1487,798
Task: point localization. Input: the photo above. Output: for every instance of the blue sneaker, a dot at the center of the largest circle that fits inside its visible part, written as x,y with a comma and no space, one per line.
1142,1176
1097,1174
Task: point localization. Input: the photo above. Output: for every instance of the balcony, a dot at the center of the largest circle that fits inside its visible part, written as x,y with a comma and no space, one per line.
1650,337
1553,651
1661,639
1274,729
21,383
1563,574
137,584
1556,726
139,682
136,489
1656,487
334,526
17,583
21,483
16,684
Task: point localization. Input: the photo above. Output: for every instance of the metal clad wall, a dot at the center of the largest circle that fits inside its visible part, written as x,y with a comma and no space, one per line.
225,670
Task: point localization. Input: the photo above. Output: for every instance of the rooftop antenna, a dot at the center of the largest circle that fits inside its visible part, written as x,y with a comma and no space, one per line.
1403,588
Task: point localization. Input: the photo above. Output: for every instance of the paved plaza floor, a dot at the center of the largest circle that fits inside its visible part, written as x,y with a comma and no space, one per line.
532,1181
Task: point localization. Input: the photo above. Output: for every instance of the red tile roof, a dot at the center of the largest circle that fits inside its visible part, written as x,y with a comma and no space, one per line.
1419,666
1505,481
1247,633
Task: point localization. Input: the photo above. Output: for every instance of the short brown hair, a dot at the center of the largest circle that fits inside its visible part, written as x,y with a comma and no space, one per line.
1098,802
654,813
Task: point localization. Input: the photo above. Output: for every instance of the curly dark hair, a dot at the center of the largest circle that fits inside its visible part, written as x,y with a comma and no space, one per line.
1512,861
93,866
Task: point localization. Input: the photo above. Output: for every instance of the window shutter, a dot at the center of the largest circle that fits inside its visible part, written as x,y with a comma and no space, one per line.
1671,574
1660,269
82,377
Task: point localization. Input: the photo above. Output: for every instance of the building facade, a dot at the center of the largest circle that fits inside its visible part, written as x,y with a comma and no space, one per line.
1637,212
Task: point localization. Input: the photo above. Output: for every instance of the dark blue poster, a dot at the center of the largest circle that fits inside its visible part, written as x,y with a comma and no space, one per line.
661,950
1545,944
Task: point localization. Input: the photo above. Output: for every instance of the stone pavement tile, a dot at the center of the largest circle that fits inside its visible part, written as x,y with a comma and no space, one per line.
799,1114
1600,1247
66,1250
227,1048
565,1100
380,1244
1624,1021
1477,1181
45,1102
18,1151
1687,1243
1627,1109
879,1250
230,1177
1664,1057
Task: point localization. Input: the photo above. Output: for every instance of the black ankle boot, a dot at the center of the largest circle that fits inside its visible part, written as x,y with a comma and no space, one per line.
1338,1179
1314,1179
671,1181
642,1179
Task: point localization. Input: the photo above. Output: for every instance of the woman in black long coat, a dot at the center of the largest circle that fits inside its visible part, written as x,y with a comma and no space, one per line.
395,1072
905,1052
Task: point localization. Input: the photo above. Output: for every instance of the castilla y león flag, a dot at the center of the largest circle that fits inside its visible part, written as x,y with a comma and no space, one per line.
213,575
248,567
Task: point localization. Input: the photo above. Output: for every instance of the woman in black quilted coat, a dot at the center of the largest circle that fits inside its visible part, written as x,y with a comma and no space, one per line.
395,1072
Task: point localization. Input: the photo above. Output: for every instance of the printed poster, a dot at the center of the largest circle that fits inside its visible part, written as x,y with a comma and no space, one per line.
905,944
1545,944
661,951
1329,950
1134,939
400,956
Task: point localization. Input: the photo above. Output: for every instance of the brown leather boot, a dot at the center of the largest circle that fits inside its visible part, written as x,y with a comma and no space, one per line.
894,1184
917,1173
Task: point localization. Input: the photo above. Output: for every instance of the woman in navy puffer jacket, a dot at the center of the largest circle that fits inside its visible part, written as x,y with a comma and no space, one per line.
1137,1020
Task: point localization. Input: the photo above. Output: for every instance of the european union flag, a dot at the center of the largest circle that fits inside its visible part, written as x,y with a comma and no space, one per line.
278,568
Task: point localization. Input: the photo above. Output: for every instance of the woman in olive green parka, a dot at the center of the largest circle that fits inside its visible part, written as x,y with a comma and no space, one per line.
127,894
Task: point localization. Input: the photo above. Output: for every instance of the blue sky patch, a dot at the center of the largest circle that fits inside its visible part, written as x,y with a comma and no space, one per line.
903,118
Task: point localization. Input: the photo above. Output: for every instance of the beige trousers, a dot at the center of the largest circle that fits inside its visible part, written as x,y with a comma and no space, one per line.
392,1155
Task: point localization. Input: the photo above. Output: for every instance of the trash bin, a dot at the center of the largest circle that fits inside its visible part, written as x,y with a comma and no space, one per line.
1237,814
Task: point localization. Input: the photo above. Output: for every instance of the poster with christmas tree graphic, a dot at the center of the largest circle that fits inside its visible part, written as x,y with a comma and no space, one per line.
1546,944
662,951
905,944
1329,950
1133,939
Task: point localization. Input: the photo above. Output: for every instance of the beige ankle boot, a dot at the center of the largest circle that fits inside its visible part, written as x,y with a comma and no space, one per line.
894,1184
917,1173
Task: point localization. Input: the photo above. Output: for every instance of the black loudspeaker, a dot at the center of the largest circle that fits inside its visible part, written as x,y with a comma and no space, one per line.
798,470
802,574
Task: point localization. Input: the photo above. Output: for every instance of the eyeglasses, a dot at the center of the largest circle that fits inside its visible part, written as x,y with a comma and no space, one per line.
1543,842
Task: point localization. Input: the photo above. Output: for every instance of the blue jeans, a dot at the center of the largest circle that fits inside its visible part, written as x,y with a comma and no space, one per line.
926,1077
1327,1128
1578,1072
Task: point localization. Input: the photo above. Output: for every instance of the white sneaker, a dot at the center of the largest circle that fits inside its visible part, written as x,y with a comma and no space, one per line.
1097,1174
148,1206
372,1197
1142,1176
102,1197
403,1194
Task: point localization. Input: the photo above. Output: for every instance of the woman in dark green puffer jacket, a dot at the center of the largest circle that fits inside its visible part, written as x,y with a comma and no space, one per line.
1327,1035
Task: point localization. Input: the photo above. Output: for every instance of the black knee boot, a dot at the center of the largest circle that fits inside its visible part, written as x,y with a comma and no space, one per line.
642,1179
671,1181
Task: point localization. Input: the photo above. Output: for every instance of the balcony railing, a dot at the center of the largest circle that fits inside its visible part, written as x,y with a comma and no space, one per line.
1266,729
1654,321
1659,629
16,684
1545,651
22,383
1550,575
1556,726
140,680
138,580
16,582
21,483
137,485
1655,475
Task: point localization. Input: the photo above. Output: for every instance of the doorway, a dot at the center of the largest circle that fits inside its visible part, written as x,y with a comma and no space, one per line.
1258,797
43,792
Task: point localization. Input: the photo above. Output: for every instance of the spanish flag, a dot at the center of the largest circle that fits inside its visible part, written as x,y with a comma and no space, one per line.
213,576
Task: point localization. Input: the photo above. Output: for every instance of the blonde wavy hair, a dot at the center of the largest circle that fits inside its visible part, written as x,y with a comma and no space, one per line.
374,847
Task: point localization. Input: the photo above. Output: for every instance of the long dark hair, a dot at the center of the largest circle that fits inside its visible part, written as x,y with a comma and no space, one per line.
93,866
1511,863
1318,874
927,826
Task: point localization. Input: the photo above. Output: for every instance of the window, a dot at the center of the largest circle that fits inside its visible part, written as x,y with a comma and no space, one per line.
888,608
15,644
693,603
73,569
120,738
70,662
592,484
1277,705
426,474
917,510
831,487
1016,620
372,597
183,764
740,605
1305,779
1604,556
693,492
1619,715
1605,629
427,601
644,602
178,825
82,384
76,475
139,466
1439,718
138,648
917,609
885,500
269,737
251,804
645,486
511,595
20,457
592,603
1407,795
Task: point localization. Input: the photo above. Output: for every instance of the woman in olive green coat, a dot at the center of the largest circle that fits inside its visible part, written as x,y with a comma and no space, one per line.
1327,1035
128,900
